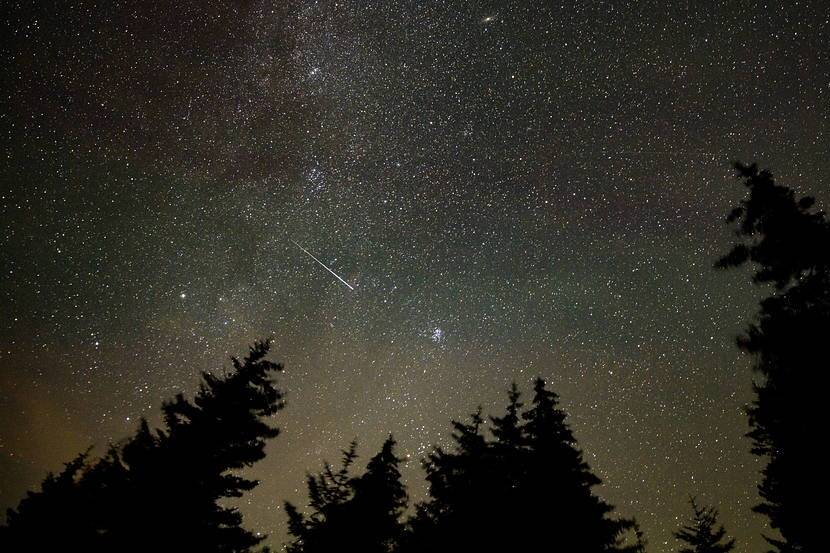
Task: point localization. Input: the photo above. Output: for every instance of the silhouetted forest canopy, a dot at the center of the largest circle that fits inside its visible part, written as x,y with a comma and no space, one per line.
516,481
787,242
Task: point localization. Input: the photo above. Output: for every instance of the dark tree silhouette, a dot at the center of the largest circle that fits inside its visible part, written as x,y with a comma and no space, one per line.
461,484
527,487
328,494
788,243
703,535
507,429
380,500
161,490
352,513
55,515
561,482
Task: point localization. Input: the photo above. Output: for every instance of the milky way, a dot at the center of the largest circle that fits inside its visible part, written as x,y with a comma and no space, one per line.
512,189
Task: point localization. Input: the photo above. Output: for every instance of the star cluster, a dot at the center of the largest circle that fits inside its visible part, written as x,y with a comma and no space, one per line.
512,190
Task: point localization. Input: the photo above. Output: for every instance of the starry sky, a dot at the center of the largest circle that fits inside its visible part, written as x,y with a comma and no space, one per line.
509,189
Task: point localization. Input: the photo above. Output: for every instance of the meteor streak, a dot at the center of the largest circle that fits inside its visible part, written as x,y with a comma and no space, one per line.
349,286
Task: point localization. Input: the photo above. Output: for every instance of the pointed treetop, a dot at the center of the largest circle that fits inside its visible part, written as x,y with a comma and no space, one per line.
506,429
703,534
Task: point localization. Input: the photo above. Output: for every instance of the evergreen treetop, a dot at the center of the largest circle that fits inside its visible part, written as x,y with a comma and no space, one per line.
703,534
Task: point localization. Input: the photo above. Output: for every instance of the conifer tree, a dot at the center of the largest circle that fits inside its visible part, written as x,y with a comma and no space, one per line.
788,243
460,486
328,492
348,513
525,489
507,429
57,513
560,482
379,502
507,483
161,490
703,535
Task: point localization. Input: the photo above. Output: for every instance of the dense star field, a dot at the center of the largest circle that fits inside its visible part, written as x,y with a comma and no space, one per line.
507,190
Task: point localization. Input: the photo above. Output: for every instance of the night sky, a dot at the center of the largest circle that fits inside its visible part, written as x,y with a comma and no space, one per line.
508,190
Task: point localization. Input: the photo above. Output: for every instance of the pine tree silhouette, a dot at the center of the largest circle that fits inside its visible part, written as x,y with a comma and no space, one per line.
56,514
352,513
561,482
328,494
379,502
789,245
460,486
507,462
703,535
160,490
507,429
527,488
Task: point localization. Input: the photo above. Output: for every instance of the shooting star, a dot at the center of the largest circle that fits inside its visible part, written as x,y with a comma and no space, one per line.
349,286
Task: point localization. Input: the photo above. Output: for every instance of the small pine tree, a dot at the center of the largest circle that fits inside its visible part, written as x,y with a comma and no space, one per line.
352,513
328,492
703,535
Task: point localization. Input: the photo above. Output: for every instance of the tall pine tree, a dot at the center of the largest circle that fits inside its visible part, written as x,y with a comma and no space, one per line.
560,483
703,534
162,490
788,243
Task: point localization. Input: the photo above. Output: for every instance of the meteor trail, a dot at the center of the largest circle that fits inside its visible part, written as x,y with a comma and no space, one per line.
324,265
